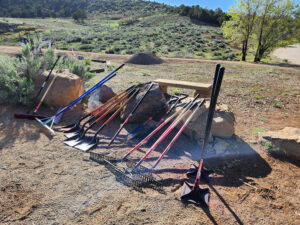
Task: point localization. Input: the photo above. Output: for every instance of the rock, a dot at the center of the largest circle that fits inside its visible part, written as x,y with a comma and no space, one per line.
153,102
80,57
222,125
66,88
100,96
285,141
220,146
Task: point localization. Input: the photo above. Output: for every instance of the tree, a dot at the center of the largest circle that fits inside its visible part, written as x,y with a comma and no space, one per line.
240,26
79,15
277,26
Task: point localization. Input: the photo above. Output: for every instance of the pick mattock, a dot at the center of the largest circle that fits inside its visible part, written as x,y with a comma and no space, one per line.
75,127
79,136
48,122
166,133
88,143
193,192
179,132
130,114
178,113
33,115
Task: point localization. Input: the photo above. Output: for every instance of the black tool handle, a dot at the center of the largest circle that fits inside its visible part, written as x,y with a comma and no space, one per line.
138,104
212,109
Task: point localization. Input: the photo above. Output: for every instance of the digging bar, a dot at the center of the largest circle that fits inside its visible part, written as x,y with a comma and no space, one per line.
194,193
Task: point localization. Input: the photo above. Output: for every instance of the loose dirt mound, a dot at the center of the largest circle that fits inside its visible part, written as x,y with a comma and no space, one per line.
145,58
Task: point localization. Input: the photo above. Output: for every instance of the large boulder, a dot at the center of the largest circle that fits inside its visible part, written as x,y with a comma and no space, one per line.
222,125
284,142
66,88
153,102
100,96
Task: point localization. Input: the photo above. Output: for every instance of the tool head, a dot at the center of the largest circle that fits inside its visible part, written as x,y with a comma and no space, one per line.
87,144
199,196
73,128
205,173
28,116
72,141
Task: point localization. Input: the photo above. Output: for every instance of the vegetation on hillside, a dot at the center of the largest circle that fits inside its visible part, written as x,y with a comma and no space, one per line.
66,8
163,34
96,8
263,25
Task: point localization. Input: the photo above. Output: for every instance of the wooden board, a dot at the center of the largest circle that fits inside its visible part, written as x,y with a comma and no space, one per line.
200,88
184,84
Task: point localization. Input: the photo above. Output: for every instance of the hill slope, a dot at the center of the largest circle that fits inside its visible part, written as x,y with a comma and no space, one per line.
65,8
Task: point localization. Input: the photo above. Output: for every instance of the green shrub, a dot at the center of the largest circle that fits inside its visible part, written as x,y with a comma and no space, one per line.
127,21
14,86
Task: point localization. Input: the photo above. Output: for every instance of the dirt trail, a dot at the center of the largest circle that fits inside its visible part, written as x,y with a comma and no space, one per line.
12,50
291,53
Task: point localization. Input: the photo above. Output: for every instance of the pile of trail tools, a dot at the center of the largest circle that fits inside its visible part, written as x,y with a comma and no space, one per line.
135,174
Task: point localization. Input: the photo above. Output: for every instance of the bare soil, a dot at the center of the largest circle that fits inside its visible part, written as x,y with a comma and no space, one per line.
43,181
290,53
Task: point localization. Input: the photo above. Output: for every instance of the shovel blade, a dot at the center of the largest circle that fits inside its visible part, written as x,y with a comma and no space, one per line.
74,129
71,135
73,140
196,196
87,145
68,128
205,173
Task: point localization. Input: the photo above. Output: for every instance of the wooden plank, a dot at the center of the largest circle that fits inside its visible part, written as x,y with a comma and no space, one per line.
184,84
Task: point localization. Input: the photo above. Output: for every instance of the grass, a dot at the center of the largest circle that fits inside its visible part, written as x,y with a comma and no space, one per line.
268,146
258,130
277,105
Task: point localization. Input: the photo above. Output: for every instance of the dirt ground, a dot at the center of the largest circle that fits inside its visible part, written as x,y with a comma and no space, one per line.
290,53
43,181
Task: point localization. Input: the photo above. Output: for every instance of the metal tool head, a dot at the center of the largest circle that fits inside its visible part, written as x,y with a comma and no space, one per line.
87,144
205,173
73,128
199,196
72,141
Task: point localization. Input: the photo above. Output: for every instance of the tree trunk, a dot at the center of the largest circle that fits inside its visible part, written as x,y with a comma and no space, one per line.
244,50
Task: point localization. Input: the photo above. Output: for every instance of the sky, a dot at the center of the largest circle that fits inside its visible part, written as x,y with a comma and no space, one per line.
209,4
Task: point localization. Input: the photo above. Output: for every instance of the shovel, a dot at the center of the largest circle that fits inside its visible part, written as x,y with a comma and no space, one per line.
193,193
103,112
76,126
88,143
77,137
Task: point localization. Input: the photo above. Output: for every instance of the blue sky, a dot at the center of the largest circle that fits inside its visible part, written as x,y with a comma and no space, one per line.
210,4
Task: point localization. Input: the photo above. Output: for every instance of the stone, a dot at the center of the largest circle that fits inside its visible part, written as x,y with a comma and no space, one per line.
152,103
100,96
222,125
284,142
66,88
220,146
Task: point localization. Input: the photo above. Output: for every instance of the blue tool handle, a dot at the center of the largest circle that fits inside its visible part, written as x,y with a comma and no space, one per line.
100,83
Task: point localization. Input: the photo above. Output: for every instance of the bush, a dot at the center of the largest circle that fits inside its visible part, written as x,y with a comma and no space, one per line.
14,87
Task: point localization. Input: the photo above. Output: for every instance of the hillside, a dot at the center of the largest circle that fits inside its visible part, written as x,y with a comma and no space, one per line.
164,34
65,8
